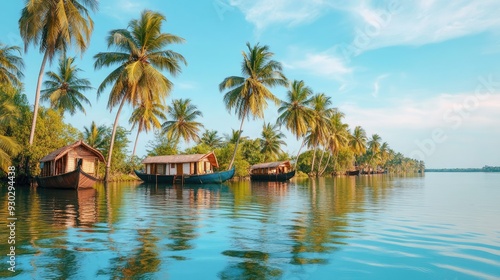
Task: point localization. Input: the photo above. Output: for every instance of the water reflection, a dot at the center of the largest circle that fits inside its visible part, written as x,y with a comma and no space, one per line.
140,262
71,208
306,228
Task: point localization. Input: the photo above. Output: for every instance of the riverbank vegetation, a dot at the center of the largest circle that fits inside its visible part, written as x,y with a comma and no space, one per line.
140,56
483,169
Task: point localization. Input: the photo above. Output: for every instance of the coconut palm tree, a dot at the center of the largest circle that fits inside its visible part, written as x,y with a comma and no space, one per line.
337,138
141,57
234,137
11,67
271,141
248,94
8,114
211,139
374,143
358,141
95,135
146,117
385,153
64,88
182,124
295,112
53,25
318,132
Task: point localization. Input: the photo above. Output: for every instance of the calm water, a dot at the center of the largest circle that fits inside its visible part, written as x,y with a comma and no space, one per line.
440,226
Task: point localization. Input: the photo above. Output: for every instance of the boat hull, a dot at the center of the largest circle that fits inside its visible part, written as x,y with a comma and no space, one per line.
352,172
272,177
74,180
209,178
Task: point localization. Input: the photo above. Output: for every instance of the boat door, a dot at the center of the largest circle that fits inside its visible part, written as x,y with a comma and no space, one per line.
179,169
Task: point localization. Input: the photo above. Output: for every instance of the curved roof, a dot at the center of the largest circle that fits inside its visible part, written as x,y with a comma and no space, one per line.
270,164
57,154
182,159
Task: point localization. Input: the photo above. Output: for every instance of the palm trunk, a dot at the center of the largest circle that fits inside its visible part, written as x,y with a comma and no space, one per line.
237,141
298,153
37,97
319,162
326,165
314,158
136,139
113,133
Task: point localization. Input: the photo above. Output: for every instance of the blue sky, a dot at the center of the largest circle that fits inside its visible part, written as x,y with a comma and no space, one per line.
424,75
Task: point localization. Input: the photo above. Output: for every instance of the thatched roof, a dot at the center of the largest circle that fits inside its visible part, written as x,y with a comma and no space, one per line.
57,154
182,159
270,164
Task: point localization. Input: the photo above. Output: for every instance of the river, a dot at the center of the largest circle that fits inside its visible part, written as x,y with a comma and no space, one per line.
435,226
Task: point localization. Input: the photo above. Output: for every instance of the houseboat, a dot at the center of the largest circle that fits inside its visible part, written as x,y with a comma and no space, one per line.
71,167
184,169
278,171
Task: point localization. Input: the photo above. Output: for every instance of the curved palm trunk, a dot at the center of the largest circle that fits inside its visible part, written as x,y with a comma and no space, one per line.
136,139
113,133
326,165
314,158
237,142
37,97
319,163
298,153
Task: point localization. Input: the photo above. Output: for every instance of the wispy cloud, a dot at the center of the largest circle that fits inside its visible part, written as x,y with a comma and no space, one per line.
421,22
186,85
322,64
123,9
376,84
264,13
382,23
444,110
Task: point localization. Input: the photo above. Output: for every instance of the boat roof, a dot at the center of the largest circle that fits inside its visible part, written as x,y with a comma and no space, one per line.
270,164
183,159
57,154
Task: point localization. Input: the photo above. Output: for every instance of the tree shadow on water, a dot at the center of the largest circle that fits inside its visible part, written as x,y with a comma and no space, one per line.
254,266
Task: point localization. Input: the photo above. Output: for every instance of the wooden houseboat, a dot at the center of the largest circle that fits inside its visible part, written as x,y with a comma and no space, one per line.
71,167
279,171
185,169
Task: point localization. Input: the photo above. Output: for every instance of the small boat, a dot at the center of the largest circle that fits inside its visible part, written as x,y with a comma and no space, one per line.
278,171
71,167
352,172
184,169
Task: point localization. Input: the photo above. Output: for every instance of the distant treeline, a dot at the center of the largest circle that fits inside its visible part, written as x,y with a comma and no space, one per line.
484,169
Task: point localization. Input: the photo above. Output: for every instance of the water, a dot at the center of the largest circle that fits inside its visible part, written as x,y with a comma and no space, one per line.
439,226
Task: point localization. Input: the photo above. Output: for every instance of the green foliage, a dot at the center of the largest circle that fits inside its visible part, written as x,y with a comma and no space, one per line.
198,149
211,139
9,117
250,150
161,146
51,134
119,158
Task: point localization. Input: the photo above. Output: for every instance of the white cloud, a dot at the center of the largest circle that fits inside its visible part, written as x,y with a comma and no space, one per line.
322,64
123,9
420,22
376,84
376,24
264,13
468,110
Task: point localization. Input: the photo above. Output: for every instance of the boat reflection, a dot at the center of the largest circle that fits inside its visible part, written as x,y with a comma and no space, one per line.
71,208
197,196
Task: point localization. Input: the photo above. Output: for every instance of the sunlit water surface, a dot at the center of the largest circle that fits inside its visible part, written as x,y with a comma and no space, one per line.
437,226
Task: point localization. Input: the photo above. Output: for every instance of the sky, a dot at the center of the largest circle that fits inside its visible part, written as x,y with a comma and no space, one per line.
424,75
